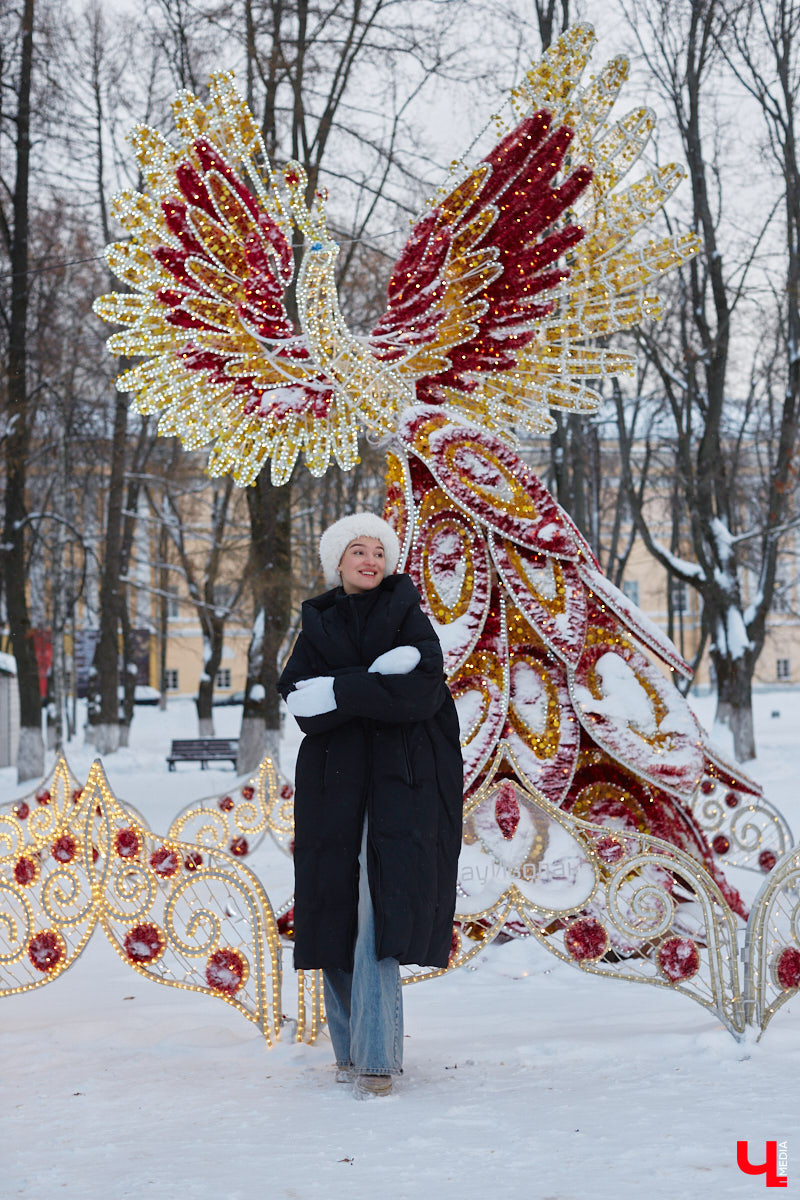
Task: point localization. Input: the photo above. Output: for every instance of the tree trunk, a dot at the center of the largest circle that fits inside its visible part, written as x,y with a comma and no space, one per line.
30,755
734,703
104,715
214,640
270,567
129,674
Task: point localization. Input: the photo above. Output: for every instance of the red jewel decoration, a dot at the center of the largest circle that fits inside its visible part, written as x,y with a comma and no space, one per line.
678,959
248,792
287,791
731,799
164,862
291,846
286,924
76,795
609,850
239,847
767,860
25,871
291,177
64,848
506,810
787,968
226,804
455,945
707,786
144,943
586,940
226,971
46,950
193,861
720,844
127,843
21,810
42,797
95,854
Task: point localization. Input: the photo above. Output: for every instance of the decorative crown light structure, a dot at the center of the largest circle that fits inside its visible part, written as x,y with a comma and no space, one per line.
73,859
577,750
612,902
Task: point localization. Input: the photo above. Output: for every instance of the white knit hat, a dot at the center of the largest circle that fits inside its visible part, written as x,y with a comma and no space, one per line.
338,536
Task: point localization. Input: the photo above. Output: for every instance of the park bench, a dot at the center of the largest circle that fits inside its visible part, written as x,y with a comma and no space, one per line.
203,750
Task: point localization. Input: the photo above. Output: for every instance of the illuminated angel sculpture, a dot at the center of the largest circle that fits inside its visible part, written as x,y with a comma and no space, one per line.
498,310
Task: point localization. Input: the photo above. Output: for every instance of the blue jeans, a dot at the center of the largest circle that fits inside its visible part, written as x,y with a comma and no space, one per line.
365,1007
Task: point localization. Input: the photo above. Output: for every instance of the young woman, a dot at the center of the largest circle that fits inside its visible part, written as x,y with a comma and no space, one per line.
378,796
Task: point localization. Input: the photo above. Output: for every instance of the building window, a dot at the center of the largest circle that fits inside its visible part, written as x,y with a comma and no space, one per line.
784,670
173,607
781,597
171,680
678,595
224,594
224,677
630,588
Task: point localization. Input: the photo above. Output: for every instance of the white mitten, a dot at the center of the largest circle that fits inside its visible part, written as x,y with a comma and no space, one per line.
314,697
398,661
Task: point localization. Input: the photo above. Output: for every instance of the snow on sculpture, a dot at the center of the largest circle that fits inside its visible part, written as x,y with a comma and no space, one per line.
589,785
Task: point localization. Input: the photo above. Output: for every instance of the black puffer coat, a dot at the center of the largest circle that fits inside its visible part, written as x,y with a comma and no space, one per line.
390,748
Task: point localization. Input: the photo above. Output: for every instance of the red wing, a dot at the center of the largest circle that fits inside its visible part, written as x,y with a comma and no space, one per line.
475,274
257,259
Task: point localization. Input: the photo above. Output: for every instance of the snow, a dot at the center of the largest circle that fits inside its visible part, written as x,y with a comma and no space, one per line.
547,532
738,641
453,635
524,1076
529,696
8,663
469,706
680,566
624,700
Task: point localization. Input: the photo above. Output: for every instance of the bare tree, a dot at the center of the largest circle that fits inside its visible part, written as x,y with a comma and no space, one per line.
198,521
712,431
765,40
15,229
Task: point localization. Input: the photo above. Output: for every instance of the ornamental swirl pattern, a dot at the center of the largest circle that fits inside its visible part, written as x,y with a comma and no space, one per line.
189,917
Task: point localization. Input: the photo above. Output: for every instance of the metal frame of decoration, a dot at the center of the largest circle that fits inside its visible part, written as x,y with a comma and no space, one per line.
631,920
237,819
186,916
74,858
310,1006
743,827
773,942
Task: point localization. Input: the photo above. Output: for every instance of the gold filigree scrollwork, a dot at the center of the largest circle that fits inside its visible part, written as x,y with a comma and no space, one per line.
184,915
773,941
238,819
744,828
48,907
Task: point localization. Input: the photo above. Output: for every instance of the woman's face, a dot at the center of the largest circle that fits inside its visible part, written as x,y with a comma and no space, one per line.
362,566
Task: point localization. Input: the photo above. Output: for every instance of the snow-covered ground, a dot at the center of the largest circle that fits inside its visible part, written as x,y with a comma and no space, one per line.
524,1077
